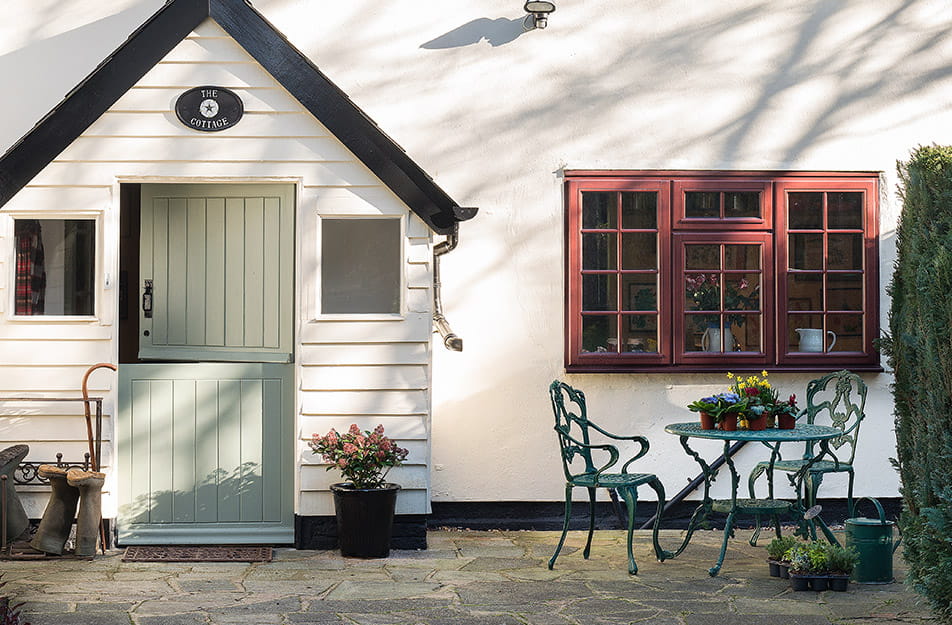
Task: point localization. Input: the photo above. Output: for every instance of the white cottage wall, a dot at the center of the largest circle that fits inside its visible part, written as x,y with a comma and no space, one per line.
360,369
495,113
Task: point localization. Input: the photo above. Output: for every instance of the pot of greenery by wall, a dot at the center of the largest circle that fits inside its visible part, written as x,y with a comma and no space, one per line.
364,505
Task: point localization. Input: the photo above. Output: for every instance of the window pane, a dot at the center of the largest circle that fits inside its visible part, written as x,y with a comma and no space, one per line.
598,250
805,211
743,291
702,256
805,291
704,333
845,251
599,334
742,256
848,330
806,251
845,210
746,332
699,204
599,210
639,210
55,266
641,291
741,204
598,292
360,266
640,333
805,333
702,291
639,250
845,291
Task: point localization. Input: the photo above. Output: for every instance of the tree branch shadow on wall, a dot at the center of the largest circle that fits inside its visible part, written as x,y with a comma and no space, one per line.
497,32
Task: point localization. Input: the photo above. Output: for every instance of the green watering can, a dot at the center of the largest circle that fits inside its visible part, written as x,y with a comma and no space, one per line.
873,541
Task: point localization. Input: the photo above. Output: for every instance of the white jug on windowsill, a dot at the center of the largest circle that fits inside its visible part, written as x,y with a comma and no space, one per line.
811,340
711,340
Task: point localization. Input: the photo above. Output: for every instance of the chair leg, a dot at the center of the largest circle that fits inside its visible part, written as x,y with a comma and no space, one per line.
591,522
565,524
630,495
660,553
850,504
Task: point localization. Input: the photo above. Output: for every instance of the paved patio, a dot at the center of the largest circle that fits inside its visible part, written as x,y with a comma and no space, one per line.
464,578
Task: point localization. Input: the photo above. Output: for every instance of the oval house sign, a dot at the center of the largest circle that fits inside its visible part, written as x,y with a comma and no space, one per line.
209,109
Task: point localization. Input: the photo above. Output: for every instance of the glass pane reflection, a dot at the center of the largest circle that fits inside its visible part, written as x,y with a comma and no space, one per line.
599,210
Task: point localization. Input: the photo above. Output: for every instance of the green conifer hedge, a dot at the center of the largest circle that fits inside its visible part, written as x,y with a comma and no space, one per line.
919,349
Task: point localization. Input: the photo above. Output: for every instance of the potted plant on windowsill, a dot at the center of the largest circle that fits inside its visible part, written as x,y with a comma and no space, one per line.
364,505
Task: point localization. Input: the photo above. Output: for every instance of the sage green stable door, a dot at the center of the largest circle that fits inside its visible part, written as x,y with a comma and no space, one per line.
205,436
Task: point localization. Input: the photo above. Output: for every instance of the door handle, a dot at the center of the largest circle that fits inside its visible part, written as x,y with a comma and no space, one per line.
147,299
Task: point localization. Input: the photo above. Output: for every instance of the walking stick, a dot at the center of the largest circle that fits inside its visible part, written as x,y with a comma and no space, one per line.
93,457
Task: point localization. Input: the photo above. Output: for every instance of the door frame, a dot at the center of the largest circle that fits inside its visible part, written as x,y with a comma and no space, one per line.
111,229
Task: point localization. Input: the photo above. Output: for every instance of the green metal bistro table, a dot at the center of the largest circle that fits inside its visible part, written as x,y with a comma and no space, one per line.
731,507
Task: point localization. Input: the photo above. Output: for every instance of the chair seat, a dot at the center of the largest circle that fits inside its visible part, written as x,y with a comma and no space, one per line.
821,466
612,480
752,506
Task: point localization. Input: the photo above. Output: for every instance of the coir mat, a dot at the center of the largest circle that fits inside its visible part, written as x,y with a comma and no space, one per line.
198,553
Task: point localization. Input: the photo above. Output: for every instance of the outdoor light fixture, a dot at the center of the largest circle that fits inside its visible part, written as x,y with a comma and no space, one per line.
538,13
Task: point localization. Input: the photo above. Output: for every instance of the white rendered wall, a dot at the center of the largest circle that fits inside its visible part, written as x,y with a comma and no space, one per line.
493,114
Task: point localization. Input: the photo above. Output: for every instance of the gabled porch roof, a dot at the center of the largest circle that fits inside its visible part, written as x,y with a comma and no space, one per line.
292,69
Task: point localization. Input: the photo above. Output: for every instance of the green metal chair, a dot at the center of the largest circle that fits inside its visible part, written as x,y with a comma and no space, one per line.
575,440
837,399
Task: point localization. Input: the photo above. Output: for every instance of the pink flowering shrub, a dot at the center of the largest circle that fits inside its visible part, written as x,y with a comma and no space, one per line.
363,458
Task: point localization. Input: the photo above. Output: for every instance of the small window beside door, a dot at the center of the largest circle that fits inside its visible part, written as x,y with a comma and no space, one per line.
54,265
360,266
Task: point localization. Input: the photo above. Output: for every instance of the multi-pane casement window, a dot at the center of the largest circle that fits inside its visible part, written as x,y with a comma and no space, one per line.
712,270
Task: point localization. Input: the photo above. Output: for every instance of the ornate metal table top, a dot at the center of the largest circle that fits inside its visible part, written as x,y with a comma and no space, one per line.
803,432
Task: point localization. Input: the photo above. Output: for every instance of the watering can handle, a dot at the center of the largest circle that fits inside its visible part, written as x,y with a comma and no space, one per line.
882,519
879,508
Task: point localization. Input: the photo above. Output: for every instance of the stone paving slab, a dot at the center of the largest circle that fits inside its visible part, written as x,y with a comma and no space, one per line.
465,578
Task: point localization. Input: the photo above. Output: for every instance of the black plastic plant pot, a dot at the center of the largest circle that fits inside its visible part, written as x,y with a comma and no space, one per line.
774,568
839,583
820,583
799,582
364,519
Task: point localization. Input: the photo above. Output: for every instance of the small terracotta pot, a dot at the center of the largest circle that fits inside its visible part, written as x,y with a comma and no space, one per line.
757,423
786,421
707,421
729,422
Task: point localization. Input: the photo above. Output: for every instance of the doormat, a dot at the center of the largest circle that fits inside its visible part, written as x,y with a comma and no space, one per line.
199,553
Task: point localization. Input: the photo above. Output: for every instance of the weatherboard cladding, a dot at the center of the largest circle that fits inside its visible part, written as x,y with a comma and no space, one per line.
321,97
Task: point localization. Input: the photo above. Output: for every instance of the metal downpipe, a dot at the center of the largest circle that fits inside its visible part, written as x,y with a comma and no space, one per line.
450,340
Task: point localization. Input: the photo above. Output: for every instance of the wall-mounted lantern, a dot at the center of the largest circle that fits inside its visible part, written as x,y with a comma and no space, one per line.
538,11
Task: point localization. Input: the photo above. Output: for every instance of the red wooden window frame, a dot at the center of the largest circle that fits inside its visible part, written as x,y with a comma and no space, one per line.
870,270
574,351
716,358
675,228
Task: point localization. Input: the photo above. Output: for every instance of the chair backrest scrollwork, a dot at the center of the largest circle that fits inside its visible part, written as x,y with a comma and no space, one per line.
841,405
571,425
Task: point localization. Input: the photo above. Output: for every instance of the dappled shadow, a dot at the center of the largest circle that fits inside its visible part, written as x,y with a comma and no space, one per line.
219,497
497,32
